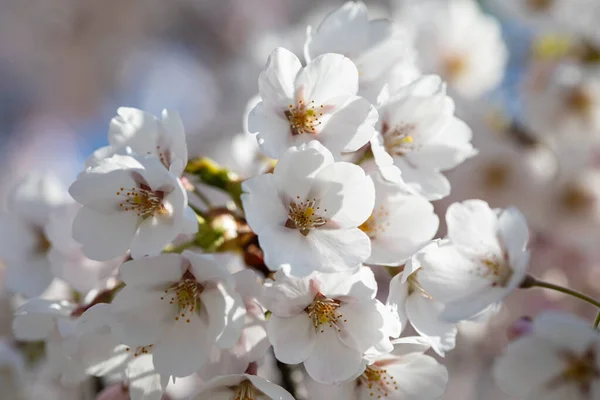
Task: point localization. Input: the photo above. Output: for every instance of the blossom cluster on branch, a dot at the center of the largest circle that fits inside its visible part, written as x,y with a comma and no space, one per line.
353,146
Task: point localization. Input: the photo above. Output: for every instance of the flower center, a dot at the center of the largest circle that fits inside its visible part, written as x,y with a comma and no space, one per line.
304,118
415,286
143,201
398,140
498,271
378,381
376,223
496,175
455,66
247,391
186,295
581,370
302,216
539,5
579,101
42,244
141,350
324,311
575,199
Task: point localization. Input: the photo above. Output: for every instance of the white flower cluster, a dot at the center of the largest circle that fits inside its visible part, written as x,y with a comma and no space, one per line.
358,158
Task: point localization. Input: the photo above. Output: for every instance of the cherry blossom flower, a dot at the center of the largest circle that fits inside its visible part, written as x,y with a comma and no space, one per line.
129,203
137,131
24,245
464,45
328,322
564,105
253,342
241,387
400,224
51,322
66,257
413,304
180,305
559,359
307,212
375,46
101,354
317,102
484,258
404,374
419,137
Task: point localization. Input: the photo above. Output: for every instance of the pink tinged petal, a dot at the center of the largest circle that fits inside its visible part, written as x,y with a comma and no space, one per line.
326,77
144,382
351,125
448,149
134,128
564,330
431,184
293,338
262,204
288,298
102,354
410,345
276,81
410,224
171,122
215,303
35,320
208,267
273,128
99,190
448,273
338,249
183,349
424,316
514,234
293,172
152,272
139,317
116,391
527,364
473,223
359,285
361,325
471,307
387,48
345,190
422,378
343,31
190,224
236,315
157,176
384,161
397,297
104,236
283,246
392,325
153,234
322,249
31,277
271,390
331,361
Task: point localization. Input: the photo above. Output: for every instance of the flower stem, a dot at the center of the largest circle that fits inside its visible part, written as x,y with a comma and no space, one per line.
530,281
597,320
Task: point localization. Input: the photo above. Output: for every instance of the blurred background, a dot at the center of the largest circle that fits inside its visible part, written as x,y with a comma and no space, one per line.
528,84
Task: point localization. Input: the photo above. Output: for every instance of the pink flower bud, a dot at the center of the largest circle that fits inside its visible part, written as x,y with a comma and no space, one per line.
520,328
